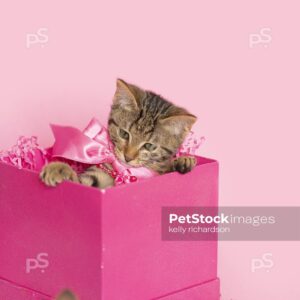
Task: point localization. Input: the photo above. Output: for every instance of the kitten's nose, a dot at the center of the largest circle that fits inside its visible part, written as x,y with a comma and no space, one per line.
128,158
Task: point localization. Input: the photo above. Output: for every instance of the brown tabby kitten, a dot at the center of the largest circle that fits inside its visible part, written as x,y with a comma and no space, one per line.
146,130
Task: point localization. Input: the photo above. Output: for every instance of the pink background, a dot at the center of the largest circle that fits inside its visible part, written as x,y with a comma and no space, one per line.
196,53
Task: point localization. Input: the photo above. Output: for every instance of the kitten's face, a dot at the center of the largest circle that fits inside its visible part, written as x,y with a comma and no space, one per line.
146,129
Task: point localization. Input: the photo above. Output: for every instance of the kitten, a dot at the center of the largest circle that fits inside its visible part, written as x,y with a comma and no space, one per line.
146,130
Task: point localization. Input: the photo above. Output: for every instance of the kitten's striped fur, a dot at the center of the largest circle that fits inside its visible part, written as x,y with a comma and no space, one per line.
146,130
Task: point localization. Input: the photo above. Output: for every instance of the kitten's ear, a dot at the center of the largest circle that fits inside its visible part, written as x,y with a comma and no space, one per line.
127,96
179,122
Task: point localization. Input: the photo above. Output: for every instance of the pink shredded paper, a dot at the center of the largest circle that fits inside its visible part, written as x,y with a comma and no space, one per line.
25,154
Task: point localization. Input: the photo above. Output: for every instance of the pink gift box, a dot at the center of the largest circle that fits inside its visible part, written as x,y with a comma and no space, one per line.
104,245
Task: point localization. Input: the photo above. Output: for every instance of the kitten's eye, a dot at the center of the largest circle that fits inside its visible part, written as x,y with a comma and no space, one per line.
149,147
124,134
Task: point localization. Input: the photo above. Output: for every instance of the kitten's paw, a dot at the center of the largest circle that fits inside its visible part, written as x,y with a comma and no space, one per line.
57,172
95,177
184,164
